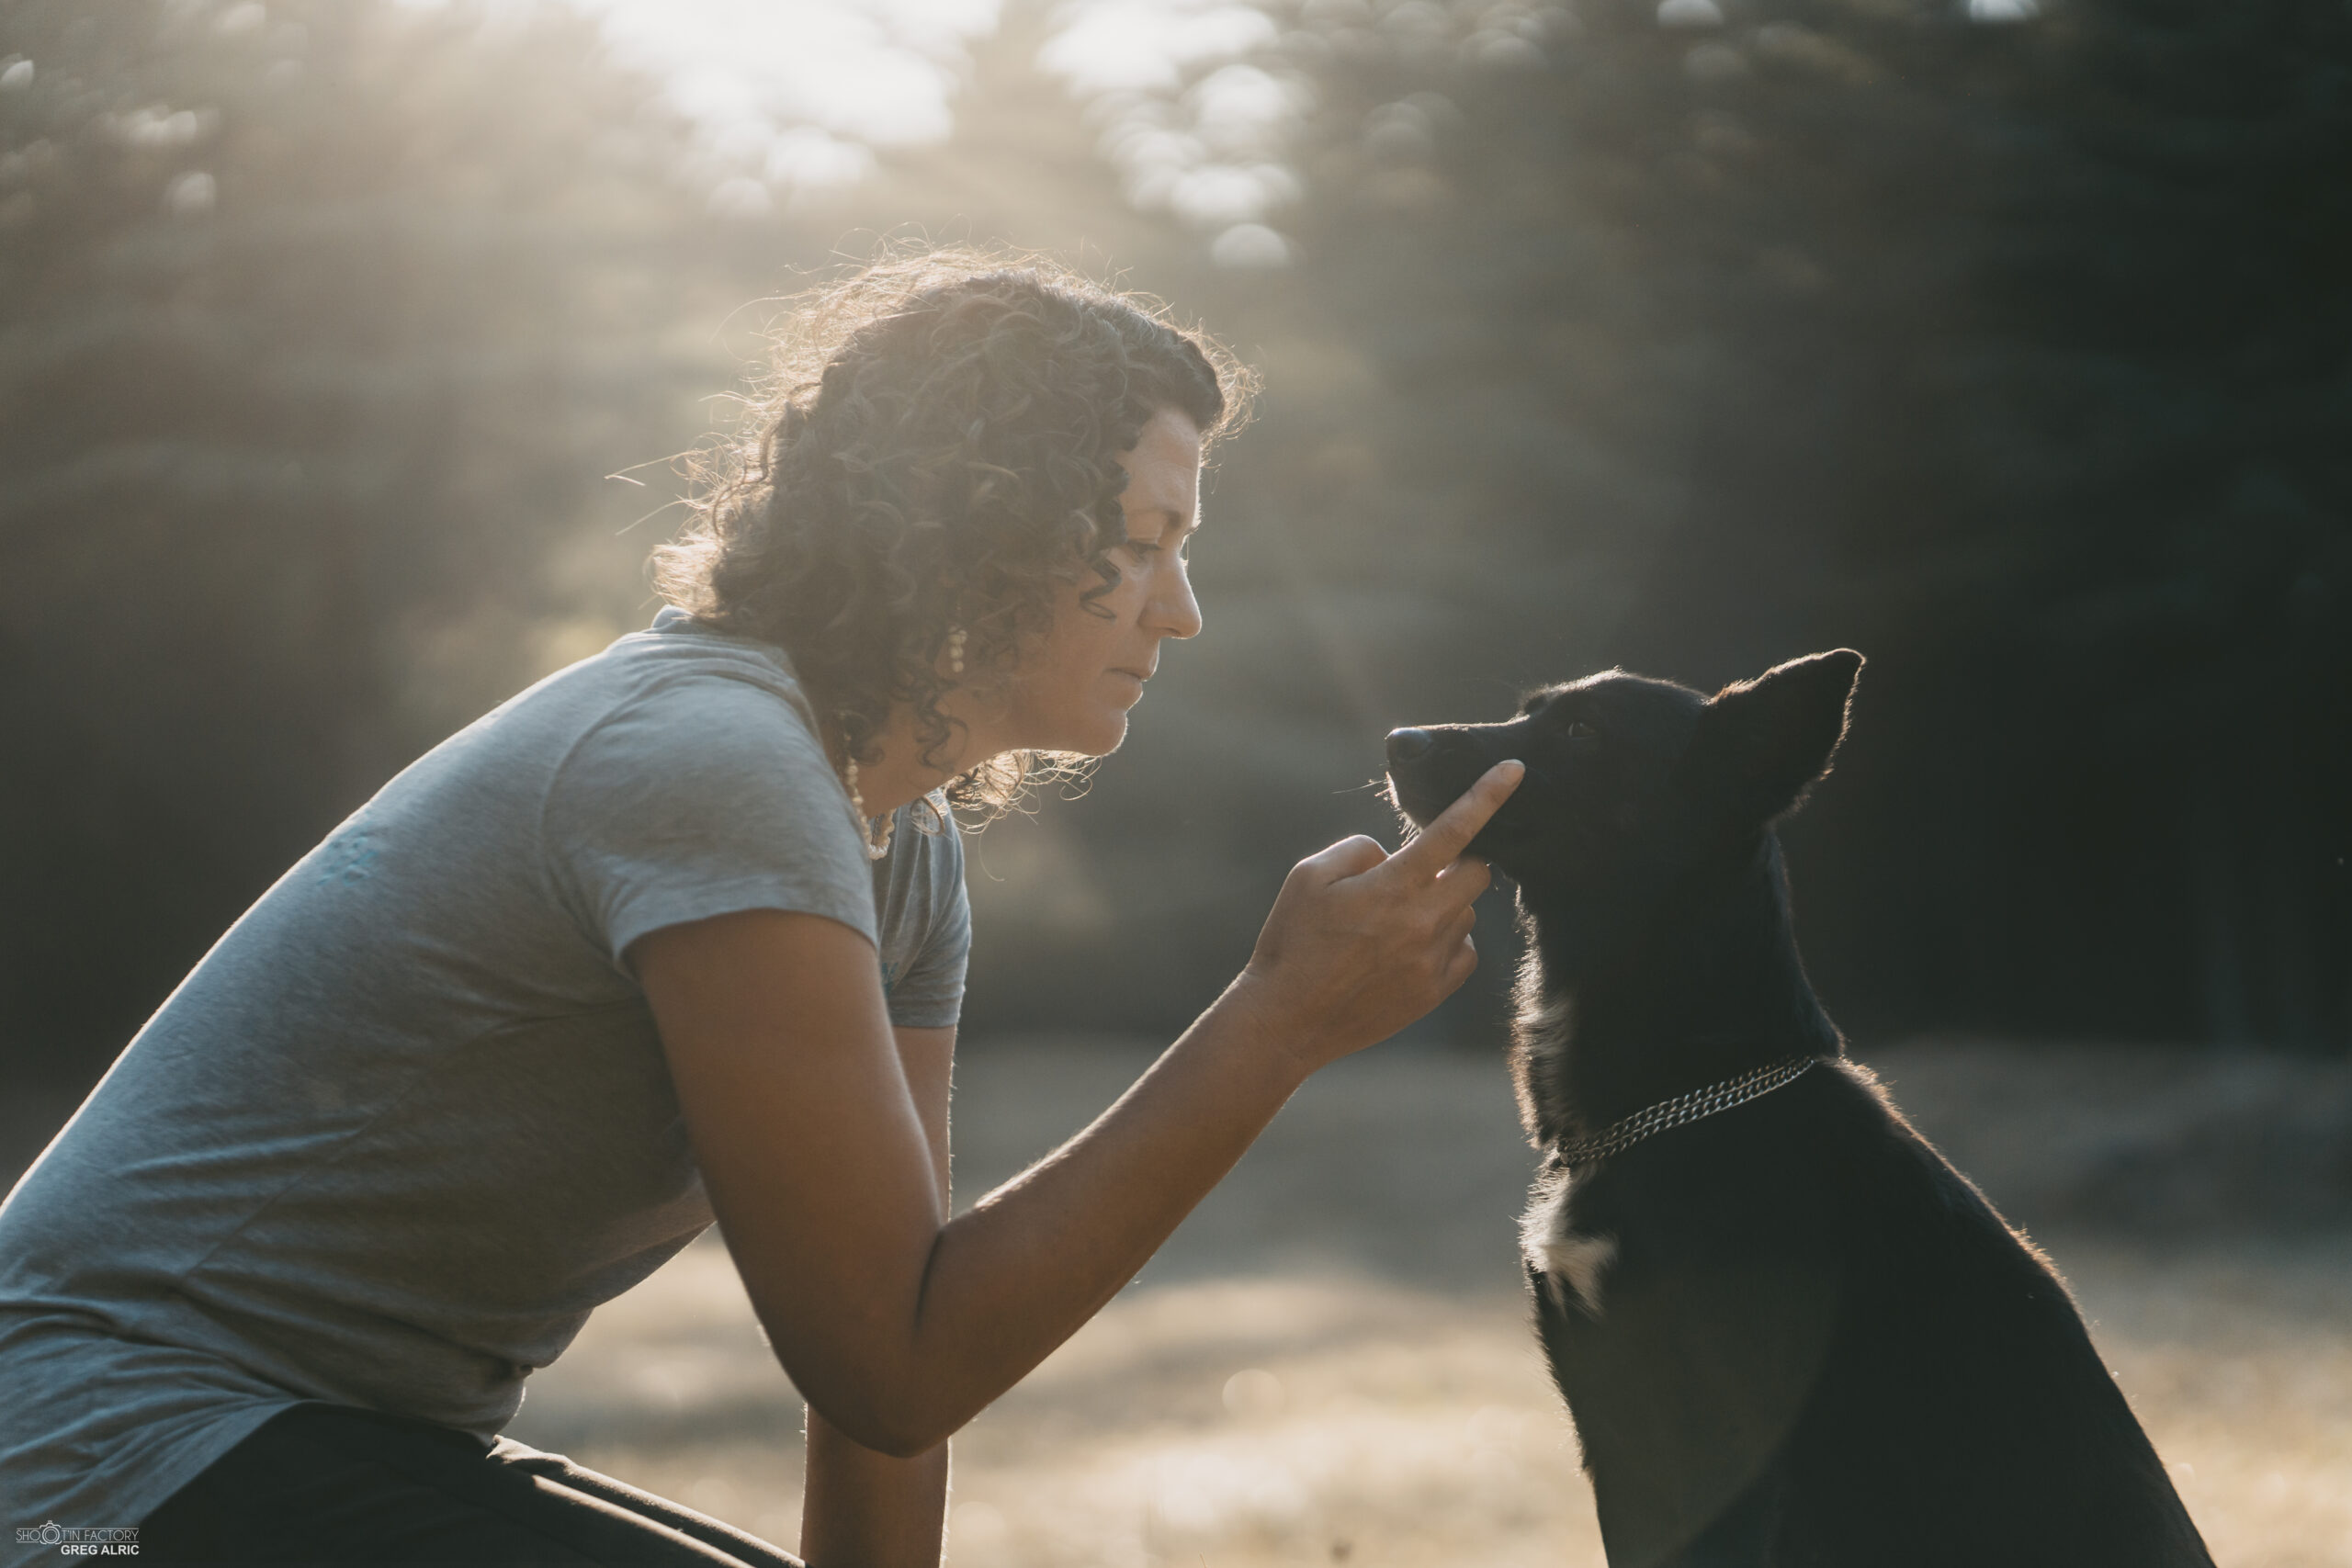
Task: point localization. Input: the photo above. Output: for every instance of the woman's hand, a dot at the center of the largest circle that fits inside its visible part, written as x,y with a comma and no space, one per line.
1360,943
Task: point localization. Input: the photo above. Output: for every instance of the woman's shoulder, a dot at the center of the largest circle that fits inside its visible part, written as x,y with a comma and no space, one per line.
693,680
925,829
681,688
680,652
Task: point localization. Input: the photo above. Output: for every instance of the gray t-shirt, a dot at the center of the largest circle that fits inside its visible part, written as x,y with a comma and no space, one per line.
408,1120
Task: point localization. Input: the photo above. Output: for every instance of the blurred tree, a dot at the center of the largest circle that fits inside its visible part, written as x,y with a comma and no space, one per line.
2162,385
318,323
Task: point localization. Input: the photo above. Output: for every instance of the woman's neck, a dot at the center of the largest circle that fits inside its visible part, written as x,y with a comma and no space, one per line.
905,769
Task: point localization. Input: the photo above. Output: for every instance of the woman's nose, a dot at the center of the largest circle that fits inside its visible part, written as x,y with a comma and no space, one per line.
1180,609
1408,745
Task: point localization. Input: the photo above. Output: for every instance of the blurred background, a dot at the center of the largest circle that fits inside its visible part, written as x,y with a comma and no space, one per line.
2007,346
345,345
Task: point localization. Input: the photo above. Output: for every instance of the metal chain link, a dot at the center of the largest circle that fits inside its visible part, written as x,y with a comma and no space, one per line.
1693,1106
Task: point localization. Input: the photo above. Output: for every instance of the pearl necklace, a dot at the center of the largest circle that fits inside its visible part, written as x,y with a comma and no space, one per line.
876,846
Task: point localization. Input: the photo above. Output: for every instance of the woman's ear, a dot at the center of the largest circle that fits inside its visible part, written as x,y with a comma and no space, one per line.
1769,739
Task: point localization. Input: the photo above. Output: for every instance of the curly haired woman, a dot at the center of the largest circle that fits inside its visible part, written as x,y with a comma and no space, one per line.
678,933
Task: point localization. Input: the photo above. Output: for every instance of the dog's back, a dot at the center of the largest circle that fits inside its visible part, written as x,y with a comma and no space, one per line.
1787,1331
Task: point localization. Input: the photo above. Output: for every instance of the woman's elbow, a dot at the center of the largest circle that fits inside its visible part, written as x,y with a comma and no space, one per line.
909,1444
901,1424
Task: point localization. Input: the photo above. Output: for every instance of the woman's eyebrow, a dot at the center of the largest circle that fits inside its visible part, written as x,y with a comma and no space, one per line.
1167,515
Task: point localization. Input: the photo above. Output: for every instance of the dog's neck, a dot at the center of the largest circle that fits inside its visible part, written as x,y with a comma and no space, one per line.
1708,987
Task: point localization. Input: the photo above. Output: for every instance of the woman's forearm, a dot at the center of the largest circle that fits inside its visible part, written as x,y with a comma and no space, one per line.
1358,943
1016,1276
1030,1262
996,1289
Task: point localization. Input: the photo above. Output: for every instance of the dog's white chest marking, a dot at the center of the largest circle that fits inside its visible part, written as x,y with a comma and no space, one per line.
1570,1262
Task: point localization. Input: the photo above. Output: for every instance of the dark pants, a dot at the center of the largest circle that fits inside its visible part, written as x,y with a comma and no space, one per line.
329,1483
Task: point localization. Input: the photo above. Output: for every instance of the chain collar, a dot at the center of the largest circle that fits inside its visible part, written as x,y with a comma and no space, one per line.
1693,1106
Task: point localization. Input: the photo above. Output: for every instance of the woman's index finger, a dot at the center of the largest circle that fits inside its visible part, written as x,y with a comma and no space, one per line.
1440,843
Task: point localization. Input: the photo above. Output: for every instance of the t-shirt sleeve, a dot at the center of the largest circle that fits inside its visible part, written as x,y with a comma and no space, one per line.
703,795
927,940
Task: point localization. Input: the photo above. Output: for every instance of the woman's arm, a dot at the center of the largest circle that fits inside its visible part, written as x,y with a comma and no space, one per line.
860,1508
901,1326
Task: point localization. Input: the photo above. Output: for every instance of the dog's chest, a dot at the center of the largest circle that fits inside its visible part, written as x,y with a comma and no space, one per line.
1569,1264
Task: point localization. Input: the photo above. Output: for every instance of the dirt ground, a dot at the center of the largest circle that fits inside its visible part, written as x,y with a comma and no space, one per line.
1330,1363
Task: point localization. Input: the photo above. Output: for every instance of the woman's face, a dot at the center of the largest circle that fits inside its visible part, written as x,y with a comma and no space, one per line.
1072,690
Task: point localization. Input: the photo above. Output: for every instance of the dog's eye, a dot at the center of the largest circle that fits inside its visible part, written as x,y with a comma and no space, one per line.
1581,730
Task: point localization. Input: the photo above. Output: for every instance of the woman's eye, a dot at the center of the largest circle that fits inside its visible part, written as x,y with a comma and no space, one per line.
1144,549
1581,730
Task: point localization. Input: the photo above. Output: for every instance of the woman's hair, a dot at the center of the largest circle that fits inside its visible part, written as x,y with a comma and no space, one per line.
933,446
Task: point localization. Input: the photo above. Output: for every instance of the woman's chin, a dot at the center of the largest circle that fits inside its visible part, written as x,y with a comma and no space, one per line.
1098,735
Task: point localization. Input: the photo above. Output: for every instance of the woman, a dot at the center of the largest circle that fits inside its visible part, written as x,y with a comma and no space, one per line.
680,932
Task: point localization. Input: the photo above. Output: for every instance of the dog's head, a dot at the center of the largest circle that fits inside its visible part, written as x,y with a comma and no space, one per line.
1630,780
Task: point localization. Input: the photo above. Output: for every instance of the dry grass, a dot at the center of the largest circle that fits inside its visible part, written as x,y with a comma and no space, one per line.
1330,1362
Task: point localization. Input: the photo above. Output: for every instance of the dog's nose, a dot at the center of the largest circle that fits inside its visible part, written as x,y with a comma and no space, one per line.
1408,745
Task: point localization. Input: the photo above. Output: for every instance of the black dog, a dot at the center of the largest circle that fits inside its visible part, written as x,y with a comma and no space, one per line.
1789,1333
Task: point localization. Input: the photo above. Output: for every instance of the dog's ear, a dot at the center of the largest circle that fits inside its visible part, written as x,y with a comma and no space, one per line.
1770,739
